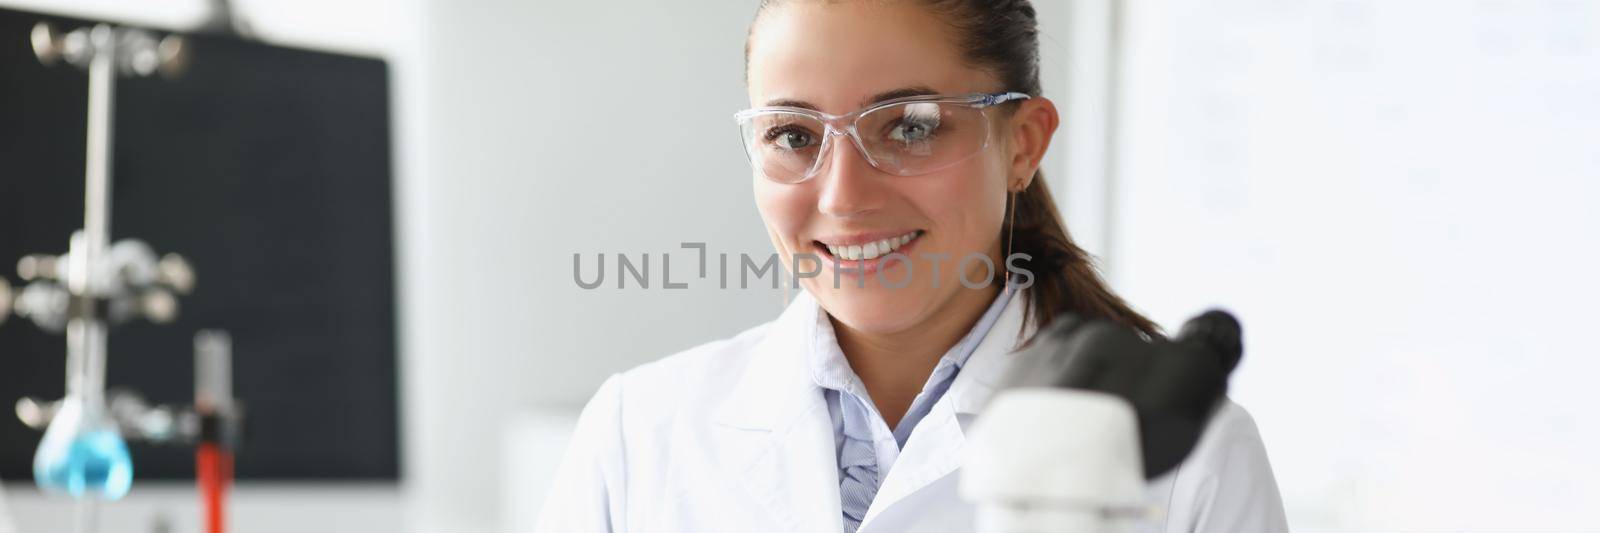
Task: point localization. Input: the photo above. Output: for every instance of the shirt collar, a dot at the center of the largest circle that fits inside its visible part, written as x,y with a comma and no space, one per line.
830,369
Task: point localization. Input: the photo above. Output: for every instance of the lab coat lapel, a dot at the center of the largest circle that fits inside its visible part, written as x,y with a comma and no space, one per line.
936,446
775,432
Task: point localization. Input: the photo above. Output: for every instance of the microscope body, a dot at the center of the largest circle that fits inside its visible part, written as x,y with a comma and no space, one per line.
1086,415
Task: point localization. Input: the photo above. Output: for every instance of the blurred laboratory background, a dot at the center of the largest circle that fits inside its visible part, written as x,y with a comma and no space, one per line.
381,200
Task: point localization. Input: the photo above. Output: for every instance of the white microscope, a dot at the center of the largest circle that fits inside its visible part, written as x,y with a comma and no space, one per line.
1087,414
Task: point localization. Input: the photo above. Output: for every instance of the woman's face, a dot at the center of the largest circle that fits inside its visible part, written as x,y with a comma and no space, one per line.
839,58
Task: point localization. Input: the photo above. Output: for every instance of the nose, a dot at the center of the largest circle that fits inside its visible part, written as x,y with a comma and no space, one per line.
850,185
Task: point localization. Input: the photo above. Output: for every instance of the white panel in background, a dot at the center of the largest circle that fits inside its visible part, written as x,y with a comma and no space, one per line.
8,523
253,507
1398,198
532,449
363,27
1075,42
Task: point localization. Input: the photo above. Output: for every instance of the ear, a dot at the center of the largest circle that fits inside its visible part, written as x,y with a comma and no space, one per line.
1032,126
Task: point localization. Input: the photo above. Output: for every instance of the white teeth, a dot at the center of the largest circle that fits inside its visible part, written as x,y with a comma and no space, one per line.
880,249
871,250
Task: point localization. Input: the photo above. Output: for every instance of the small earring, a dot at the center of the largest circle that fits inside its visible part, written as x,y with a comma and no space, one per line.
1011,231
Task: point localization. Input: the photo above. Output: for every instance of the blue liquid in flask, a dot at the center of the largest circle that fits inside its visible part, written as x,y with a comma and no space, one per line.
83,462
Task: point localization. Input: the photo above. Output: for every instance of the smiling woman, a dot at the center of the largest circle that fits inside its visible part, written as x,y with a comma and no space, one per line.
897,143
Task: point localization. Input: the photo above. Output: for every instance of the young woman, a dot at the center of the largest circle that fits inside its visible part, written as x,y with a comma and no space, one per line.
896,147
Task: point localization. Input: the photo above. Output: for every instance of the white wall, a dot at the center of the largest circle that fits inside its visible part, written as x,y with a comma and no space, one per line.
558,128
1399,200
173,507
365,27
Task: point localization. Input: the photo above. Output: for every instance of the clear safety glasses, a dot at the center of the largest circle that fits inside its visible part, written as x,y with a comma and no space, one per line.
904,137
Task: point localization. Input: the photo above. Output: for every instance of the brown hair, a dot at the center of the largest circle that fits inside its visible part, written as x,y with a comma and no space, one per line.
1002,36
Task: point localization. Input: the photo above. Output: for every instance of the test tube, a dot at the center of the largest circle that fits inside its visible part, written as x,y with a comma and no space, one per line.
213,372
213,401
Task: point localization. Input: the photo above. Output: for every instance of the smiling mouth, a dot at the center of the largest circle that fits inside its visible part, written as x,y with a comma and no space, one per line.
870,250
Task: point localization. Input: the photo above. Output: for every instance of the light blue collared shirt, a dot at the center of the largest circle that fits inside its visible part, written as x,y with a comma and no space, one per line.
866,448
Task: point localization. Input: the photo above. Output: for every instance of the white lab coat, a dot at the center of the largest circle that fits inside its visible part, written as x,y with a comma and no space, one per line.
734,436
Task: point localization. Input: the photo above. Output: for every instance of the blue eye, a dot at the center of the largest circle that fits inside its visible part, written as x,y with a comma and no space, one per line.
910,132
918,124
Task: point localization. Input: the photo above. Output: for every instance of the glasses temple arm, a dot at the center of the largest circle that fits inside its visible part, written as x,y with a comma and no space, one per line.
1001,98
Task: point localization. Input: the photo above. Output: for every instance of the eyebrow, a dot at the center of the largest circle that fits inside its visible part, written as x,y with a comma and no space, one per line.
903,92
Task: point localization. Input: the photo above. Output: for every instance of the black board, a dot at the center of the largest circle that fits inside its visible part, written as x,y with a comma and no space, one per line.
269,168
